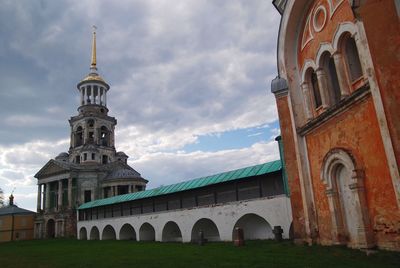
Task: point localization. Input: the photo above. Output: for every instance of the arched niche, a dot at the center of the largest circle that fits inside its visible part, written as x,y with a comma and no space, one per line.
147,232
171,232
127,232
254,227
209,229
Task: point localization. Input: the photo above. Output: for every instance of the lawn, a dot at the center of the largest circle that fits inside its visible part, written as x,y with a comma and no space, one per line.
74,253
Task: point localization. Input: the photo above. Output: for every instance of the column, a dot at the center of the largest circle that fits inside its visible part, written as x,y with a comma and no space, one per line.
59,203
47,196
323,87
84,95
92,94
306,97
105,98
361,51
101,96
39,198
341,74
129,188
69,192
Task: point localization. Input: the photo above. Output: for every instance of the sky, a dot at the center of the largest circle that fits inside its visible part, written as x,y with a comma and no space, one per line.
190,84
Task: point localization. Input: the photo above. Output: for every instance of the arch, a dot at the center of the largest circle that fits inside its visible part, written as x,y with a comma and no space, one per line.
108,233
147,232
94,233
171,232
83,234
323,48
331,159
348,48
308,64
50,228
254,227
209,229
343,28
127,232
328,67
346,197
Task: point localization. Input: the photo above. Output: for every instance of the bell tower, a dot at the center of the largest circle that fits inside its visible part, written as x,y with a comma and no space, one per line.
92,130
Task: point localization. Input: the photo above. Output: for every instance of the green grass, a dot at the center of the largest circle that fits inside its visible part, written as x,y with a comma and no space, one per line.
74,254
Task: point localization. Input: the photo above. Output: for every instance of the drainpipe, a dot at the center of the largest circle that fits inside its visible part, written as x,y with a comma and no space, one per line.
284,174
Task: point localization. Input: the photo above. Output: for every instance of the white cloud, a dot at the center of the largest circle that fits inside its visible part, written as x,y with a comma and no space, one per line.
177,71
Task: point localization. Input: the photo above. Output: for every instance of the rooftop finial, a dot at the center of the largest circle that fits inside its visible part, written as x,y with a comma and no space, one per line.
93,64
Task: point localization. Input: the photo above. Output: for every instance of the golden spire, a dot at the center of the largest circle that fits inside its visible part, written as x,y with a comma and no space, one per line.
93,64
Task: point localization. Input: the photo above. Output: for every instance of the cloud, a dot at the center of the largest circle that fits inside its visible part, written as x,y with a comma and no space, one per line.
177,72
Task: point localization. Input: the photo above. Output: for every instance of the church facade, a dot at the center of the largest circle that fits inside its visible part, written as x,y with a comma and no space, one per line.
92,168
338,97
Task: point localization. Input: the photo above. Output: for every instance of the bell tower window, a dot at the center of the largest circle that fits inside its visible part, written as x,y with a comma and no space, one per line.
93,156
104,136
78,159
79,136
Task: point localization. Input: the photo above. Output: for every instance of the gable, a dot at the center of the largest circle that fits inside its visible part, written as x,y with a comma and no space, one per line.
52,168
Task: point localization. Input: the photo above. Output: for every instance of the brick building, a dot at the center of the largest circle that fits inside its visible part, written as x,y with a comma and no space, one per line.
338,97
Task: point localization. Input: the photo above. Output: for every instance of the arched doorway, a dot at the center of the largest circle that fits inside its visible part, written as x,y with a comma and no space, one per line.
94,233
127,232
108,233
147,232
83,234
346,197
209,229
254,227
171,232
50,227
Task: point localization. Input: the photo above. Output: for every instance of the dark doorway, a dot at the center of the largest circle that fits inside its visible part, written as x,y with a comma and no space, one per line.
50,228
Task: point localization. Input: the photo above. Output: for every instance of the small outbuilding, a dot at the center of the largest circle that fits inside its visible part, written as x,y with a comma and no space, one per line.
16,223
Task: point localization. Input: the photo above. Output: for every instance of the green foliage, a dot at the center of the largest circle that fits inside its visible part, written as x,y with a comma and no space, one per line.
74,253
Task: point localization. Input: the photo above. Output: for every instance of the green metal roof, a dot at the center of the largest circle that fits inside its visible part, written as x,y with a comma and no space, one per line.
191,184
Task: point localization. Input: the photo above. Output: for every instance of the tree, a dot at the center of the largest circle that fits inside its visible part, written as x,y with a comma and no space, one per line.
1,197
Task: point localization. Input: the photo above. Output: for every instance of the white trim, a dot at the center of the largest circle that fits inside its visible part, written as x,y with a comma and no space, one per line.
344,27
332,8
323,47
316,27
366,60
307,65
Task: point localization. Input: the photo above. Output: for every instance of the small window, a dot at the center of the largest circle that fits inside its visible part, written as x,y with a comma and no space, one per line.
84,156
104,159
91,123
78,159
88,196
91,136
93,156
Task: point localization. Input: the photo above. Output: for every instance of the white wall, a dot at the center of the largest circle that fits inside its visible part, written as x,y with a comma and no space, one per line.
276,211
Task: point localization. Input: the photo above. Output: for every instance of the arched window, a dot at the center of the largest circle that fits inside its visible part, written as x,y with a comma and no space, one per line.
352,59
332,83
104,136
315,89
79,136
